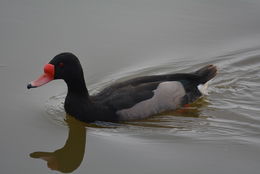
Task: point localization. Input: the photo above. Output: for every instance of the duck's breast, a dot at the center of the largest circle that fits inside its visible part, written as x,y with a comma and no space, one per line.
167,96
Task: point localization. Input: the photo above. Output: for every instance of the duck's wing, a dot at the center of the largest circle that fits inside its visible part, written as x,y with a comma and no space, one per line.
146,99
139,81
127,96
151,94
129,93
200,76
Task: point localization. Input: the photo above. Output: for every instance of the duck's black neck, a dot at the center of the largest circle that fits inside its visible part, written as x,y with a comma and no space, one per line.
77,86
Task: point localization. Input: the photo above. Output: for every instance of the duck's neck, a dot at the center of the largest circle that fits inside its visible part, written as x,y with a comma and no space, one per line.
78,87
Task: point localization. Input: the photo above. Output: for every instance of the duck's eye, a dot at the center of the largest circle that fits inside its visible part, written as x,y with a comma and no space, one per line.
61,64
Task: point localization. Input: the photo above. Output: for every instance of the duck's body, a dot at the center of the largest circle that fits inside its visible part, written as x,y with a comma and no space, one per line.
134,99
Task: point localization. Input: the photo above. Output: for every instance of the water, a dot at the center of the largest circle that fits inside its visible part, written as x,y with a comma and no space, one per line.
118,40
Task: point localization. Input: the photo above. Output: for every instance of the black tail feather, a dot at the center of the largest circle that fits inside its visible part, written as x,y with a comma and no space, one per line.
206,73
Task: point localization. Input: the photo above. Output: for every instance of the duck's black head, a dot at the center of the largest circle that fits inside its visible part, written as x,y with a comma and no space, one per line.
67,67
64,66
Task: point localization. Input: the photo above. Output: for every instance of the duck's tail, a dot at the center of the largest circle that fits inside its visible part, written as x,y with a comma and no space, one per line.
206,73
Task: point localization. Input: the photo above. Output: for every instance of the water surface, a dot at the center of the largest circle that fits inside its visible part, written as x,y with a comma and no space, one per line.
115,41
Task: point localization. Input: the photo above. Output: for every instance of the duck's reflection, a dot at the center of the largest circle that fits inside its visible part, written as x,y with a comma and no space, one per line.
69,157
191,110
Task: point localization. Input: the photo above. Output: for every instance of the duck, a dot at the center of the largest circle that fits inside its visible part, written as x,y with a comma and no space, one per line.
136,99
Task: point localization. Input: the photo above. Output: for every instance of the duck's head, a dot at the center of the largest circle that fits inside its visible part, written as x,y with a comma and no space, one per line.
64,66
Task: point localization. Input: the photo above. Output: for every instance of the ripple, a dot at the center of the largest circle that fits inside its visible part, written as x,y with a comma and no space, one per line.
55,109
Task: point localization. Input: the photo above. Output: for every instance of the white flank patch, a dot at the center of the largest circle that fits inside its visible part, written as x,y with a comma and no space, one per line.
203,89
167,96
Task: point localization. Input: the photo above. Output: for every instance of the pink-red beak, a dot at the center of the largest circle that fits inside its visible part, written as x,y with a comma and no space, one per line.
48,76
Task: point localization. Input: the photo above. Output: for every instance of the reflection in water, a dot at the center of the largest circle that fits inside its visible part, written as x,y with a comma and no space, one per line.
69,157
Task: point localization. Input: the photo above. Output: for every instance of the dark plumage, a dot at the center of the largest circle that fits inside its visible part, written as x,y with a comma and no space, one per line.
133,99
